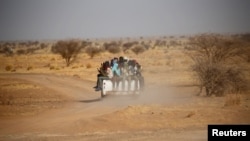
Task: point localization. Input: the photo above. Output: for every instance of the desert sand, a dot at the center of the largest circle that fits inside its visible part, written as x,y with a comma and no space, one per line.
60,104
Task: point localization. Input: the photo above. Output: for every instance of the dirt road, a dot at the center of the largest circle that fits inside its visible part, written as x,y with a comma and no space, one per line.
83,115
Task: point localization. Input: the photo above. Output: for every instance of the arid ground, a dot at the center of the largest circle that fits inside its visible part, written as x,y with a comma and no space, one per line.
41,99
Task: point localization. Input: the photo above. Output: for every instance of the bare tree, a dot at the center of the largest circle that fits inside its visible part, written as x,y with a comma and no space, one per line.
67,49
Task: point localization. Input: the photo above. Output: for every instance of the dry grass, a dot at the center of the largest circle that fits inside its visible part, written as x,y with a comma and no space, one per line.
29,68
88,66
232,100
190,114
52,67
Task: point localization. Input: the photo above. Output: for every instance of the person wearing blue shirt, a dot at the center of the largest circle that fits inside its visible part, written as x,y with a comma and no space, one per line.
115,68
116,73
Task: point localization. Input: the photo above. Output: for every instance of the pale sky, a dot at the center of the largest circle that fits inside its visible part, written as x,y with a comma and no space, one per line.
62,19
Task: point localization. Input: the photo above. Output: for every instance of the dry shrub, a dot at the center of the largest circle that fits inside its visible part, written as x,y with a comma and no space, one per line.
168,63
174,43
190,114
76,76
32,50
74,67
43,45
88,66
232,100
160,43
47,65
246,39
8,68
219,79
93,51
138,49
128,45
216,48
52,67
8,51
53,59
21,52
68,50
112,47
212,54
29,68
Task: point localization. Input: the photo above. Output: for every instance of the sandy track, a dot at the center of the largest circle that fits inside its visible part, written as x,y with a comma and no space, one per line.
83,104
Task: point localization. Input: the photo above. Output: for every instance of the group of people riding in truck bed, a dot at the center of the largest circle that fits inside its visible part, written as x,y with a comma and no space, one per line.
119,70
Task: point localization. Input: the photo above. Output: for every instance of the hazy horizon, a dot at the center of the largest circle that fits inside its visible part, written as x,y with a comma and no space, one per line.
63,19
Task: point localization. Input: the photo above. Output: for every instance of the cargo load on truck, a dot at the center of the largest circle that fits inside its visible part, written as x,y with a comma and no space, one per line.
120,76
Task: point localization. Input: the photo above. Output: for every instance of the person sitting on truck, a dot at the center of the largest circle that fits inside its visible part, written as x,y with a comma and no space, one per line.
101,71
105,74
134,73
123,65
115,67
116,73
139,75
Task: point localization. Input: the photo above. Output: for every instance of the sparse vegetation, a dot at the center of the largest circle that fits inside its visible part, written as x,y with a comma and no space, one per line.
160,43
8,51
128,45
43,45
232,100
213,56
74,67
138,49
21,52
8,68
223,50
112,47
68,50
93,51
32,83
29,68
52,67
88,66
